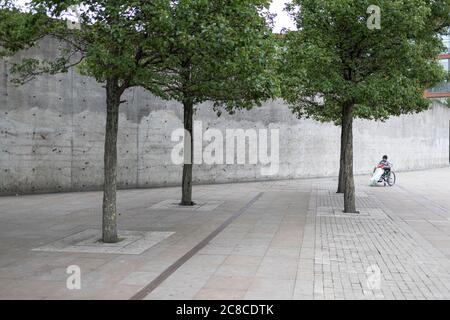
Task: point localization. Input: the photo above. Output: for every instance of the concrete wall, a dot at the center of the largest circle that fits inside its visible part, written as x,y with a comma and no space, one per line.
52,133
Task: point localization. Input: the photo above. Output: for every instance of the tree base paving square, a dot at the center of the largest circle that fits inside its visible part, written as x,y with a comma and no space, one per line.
89,241
173,204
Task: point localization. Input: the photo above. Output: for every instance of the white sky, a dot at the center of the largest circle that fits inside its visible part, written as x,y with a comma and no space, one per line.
282,20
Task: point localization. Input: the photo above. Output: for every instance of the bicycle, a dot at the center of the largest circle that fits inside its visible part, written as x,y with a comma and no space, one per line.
388,178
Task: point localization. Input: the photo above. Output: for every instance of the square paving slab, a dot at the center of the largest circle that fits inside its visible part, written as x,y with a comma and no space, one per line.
173,204
88,241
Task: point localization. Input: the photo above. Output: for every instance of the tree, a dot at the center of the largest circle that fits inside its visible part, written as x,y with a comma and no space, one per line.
224,54
121,44
338,66
19,30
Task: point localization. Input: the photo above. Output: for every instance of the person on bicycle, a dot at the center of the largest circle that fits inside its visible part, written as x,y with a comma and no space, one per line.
386,165
383,173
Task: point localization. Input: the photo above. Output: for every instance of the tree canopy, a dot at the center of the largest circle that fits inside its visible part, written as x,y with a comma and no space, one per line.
223,53
336,57
125,40
19,30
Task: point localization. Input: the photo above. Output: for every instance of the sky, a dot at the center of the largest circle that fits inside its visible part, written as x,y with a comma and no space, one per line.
282,19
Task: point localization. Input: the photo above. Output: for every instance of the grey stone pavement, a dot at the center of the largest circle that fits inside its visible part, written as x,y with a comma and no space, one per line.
291,241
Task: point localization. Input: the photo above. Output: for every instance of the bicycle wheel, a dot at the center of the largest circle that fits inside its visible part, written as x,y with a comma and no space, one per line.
391,179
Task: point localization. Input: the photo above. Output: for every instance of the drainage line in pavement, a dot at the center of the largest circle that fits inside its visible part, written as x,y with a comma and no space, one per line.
177,264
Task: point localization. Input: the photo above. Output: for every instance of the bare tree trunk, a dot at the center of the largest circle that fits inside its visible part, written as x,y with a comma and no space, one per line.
186,185
349,185
109,226
341,181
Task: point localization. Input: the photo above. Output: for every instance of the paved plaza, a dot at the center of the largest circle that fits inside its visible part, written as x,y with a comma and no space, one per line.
261,240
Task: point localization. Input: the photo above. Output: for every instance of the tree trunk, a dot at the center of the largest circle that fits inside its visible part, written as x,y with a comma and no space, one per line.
186,185
109,227
341,181
349,183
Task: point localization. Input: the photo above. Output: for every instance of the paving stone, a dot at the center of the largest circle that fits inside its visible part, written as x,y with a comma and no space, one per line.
88,241
292,243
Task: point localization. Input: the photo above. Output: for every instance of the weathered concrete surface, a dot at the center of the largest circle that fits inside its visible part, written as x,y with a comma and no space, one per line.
52,133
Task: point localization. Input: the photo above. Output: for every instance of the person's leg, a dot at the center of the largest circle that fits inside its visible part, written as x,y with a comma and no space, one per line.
382,177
